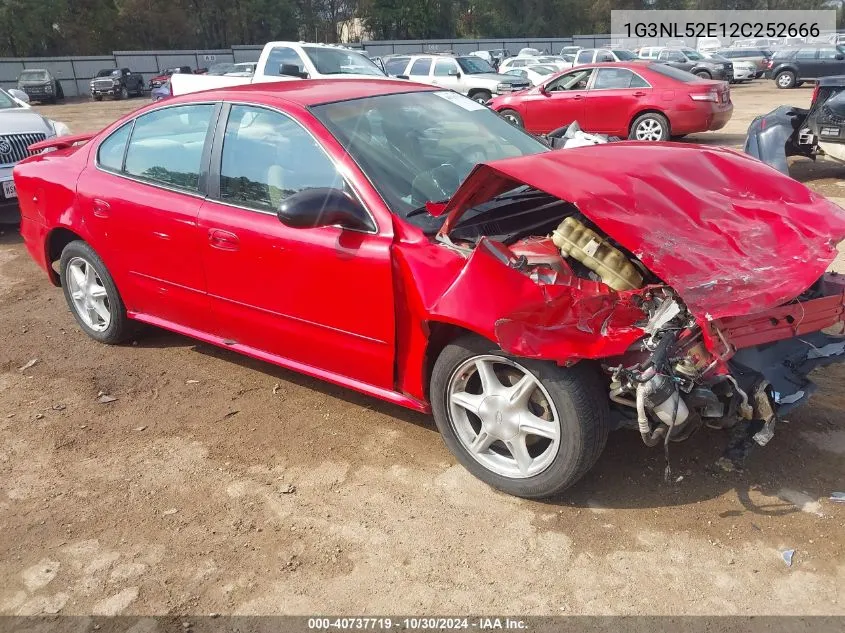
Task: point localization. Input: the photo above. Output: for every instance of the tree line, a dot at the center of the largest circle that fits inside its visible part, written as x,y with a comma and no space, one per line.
93,27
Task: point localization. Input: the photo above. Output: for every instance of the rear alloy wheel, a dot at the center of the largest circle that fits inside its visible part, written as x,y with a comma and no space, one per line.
785,79
650,126
482,96
91,294
512,117
529,428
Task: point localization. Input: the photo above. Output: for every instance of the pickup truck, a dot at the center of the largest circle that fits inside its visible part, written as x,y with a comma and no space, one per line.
40,85
119,83
283,61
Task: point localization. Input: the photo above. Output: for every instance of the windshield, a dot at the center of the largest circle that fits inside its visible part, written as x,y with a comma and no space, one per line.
336,61
7,102
623,55
474,65
222,68
418,147
34,75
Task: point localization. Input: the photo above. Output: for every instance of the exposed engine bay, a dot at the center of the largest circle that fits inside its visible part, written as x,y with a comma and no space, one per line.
681,372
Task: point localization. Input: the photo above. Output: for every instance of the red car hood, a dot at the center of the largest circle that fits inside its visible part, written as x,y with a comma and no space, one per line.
731,235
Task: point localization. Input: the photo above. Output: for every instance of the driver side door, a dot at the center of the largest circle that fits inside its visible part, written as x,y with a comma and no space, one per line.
562,101
319,300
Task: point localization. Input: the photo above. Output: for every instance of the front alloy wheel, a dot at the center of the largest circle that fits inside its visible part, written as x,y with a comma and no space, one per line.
529,428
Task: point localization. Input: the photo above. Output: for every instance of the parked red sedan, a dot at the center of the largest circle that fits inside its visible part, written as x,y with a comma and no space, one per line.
409,243
646,101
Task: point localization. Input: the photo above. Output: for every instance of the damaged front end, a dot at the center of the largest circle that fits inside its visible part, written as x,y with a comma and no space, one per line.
703,300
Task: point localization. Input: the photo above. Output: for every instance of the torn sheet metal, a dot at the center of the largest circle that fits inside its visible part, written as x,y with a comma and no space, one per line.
729,234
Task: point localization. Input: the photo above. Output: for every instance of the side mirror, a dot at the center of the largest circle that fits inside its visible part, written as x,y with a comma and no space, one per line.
402,77
292,70
455,73
544,89
323,206
20,95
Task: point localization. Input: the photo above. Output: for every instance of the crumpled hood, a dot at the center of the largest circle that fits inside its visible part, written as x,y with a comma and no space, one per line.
731,235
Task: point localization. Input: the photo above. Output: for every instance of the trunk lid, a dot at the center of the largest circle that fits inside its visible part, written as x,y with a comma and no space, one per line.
731,235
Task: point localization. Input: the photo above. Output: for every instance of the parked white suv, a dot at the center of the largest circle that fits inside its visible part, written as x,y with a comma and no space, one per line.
468,74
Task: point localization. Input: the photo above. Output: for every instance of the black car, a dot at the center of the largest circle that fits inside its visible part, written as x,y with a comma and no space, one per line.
119,83
790,131
697,64
790,67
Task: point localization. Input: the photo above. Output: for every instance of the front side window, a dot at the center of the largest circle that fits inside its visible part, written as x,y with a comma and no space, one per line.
474,66
282,56
420,67
166,145
111,151
827,53
268,157
576,80
604,56
444,67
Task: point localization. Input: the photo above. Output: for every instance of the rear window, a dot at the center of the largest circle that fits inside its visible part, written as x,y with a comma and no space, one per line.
673,73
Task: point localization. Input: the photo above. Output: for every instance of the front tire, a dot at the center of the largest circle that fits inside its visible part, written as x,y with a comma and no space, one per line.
785,79
91,294
124,93
703,74
513,117
526,427
481,96
651,126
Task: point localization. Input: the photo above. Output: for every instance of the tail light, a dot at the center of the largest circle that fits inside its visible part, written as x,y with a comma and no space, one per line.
815,94
769,63
705,96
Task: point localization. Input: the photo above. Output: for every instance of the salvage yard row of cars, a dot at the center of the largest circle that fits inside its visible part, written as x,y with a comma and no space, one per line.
433,249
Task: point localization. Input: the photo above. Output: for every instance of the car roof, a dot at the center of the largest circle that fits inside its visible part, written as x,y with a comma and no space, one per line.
308,92
835,80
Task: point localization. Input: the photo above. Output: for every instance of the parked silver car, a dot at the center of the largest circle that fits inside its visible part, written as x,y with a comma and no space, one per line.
20,127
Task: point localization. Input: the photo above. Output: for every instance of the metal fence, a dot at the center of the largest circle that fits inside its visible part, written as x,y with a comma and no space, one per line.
74,73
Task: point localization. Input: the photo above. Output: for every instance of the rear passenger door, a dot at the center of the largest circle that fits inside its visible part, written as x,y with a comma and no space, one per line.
807,60
615,96
319,298
141,198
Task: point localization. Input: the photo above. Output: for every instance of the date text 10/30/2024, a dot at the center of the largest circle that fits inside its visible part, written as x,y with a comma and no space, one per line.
721,29
410,624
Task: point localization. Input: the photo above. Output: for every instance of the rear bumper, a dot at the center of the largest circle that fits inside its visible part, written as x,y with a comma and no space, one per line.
701,118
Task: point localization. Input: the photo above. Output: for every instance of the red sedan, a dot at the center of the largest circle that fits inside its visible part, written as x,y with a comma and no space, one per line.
646,101
409,243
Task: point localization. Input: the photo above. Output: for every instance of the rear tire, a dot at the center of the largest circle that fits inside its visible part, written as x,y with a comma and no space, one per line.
651,126
513,117
567,403
785,79
92,295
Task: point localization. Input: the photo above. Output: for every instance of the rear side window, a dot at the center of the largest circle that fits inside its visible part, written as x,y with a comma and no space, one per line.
617,78
828,53
279,56
395,65
166,146
604,56
806,53
584,57
268,157
421,66
111,151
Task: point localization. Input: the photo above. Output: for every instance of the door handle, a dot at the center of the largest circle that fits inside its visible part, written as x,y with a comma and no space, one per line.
100,208
578,97
224,240
639,93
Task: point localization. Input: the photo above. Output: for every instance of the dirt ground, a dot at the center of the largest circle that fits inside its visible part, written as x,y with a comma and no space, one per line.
219,484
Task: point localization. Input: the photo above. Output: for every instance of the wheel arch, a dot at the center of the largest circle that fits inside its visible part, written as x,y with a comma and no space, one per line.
474,91
440,334
56,241
648,110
